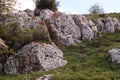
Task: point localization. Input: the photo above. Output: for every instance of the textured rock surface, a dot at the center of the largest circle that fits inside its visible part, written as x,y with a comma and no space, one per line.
116,23
45,14
115,55
24,18
83,24
63,29
109,25
35,57
100,23
93,27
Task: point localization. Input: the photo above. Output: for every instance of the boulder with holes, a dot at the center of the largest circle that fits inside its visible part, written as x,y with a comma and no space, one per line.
63,30
83,25
115,55
35,57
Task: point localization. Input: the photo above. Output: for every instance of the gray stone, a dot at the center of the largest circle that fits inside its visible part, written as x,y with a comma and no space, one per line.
100,23
35,57
25,19
115,55
45,14
83,24
63,29
116,23
109,25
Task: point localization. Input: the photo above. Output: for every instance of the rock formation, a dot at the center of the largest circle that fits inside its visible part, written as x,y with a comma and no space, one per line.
109,25
83,24
116,23
35,57
64,29
115,55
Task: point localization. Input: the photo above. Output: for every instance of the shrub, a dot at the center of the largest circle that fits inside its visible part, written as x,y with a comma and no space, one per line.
96,9
46,4
16,37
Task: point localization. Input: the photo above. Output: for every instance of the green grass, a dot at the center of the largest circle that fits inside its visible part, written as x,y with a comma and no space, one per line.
94,17
88,60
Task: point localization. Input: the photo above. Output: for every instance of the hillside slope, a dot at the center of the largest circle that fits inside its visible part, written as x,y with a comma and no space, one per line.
88,60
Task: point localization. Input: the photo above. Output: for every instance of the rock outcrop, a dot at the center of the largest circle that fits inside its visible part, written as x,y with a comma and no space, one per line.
115,55
62,29
93,27
35,57
100,23
83,24
109,25
116,23
45,14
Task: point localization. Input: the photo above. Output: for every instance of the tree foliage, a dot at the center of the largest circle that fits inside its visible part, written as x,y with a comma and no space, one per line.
96,9
47,4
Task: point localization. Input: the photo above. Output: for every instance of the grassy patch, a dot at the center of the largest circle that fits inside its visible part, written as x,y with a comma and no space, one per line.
88,60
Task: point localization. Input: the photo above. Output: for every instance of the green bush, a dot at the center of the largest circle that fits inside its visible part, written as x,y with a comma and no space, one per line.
46,4
17,37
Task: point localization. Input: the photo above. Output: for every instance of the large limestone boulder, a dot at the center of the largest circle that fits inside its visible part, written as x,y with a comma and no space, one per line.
100,23
115,55
35,57
83,24
93,27
25,18
116,23
63,30
109,25
45,14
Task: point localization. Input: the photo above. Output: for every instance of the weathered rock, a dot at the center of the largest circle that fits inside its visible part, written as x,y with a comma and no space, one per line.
109,25
35,57
115,55
45,14
100,23
93,27
116,23
83,24
24,18
29,12
45,77
63,29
